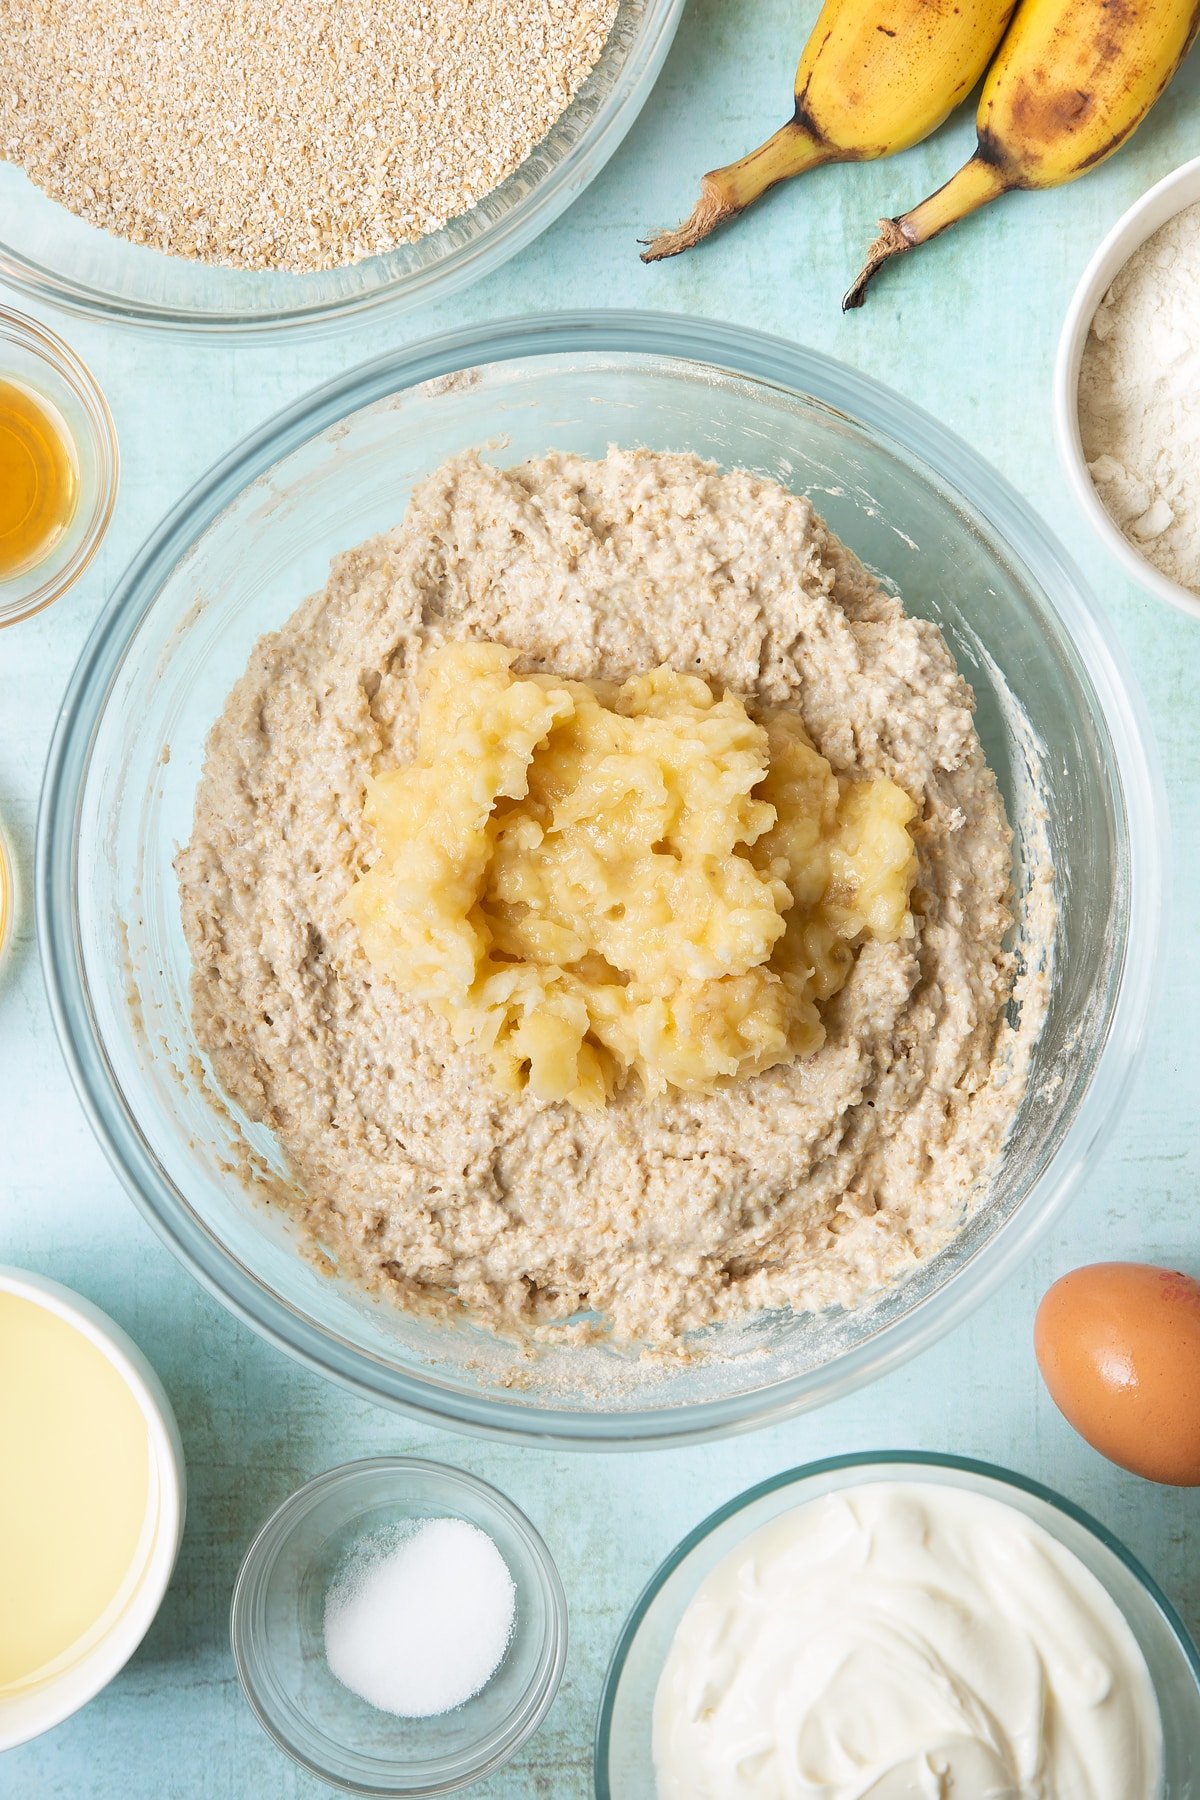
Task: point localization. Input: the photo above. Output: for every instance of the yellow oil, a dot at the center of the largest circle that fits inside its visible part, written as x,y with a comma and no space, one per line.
39,482
74,1488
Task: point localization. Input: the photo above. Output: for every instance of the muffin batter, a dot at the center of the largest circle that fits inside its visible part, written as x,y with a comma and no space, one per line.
810,1184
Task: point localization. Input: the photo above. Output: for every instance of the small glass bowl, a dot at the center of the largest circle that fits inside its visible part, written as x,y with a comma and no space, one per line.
40,361
277,1628
624,1761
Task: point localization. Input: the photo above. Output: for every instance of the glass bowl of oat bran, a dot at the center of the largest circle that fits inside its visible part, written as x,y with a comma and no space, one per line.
1060,721
261,180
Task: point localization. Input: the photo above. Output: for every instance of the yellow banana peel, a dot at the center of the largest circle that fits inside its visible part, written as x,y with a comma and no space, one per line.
1072,80
875,77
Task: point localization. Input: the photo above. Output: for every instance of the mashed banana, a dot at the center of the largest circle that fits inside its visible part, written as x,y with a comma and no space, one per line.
589,881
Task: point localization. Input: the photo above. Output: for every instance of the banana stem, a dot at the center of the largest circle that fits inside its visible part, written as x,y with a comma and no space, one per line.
977,182
724,193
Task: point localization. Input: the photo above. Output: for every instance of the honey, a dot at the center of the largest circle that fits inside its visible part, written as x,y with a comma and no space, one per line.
39,480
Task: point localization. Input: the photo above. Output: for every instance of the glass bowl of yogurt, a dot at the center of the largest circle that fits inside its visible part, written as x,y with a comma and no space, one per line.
894,1625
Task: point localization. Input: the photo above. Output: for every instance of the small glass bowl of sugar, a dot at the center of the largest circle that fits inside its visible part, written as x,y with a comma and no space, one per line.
399,1627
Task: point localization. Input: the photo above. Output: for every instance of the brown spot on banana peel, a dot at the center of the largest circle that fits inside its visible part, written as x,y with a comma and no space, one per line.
1041,114
1046,113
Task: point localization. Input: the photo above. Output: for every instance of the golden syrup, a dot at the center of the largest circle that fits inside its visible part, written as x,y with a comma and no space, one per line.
75,1490
39,481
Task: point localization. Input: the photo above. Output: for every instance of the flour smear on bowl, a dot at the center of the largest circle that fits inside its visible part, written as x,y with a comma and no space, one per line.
286,134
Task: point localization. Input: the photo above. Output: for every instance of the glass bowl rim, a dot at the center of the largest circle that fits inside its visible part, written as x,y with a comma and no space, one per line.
273,1532
71,369
558,189
768,361
846,1463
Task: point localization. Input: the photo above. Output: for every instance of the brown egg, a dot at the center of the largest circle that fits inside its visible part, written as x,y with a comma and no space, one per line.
1118,1345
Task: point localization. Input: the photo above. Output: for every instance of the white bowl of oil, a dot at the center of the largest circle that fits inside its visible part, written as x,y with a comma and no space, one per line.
59,466
91,1504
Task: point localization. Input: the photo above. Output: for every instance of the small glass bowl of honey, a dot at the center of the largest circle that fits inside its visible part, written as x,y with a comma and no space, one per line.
58,466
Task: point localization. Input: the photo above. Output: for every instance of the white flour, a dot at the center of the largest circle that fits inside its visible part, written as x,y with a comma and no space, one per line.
1139,399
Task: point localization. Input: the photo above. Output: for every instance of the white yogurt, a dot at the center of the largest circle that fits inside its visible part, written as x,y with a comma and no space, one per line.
905,1641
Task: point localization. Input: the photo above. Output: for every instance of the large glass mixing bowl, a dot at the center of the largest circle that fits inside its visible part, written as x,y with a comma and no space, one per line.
1058,716
56,258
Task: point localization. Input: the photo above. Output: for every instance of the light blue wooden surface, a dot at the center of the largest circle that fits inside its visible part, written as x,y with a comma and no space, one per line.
968,329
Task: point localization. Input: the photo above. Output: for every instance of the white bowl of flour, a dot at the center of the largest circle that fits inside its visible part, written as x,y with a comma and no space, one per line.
1127,390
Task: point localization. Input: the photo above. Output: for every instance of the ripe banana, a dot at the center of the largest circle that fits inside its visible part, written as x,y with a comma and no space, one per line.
1072,80
875,76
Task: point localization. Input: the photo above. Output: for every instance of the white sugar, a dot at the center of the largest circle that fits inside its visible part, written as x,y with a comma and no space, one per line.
418,1623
